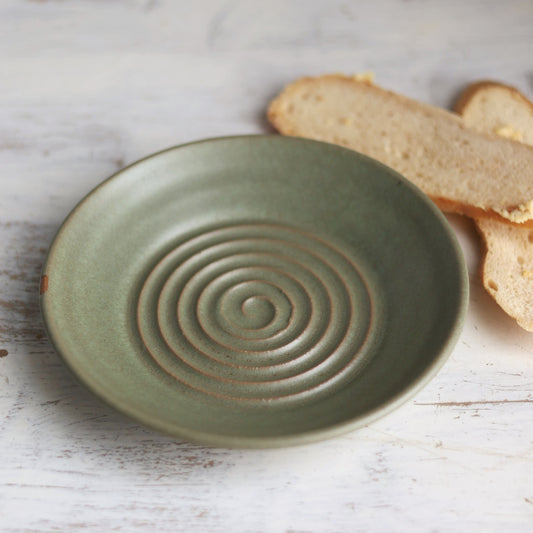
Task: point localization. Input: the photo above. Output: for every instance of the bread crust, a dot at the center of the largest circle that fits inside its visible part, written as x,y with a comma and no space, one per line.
466,96
449,206
275,112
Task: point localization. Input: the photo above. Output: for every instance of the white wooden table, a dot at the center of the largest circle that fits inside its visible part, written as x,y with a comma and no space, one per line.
87,87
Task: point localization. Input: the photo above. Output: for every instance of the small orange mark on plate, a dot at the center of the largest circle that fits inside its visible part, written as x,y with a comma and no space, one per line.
44,284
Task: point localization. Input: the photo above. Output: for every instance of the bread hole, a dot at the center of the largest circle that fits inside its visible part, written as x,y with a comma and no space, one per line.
520,260
319,98
305,96
530,237
492,285
405,155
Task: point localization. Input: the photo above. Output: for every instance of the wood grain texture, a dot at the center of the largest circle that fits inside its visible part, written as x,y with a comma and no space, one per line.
87,87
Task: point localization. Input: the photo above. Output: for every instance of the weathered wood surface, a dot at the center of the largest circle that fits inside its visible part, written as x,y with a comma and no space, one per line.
87,87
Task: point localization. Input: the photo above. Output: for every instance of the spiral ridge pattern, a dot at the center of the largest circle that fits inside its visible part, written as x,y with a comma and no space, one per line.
256,312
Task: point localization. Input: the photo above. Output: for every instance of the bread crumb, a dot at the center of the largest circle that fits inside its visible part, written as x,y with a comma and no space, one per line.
509,132
528,274
367,77
517,213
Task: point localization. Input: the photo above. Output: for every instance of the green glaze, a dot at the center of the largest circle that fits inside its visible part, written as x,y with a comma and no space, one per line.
255,291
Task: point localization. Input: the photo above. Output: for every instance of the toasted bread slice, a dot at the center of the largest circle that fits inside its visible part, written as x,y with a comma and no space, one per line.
461,169
507,266
492,107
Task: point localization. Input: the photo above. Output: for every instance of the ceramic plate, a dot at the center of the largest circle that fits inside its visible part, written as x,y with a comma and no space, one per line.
254,291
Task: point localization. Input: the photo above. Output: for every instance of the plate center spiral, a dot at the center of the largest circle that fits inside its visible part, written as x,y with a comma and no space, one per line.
253,310
259,310
256,312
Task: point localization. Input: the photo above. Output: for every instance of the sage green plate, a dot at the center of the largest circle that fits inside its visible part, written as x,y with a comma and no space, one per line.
254,291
